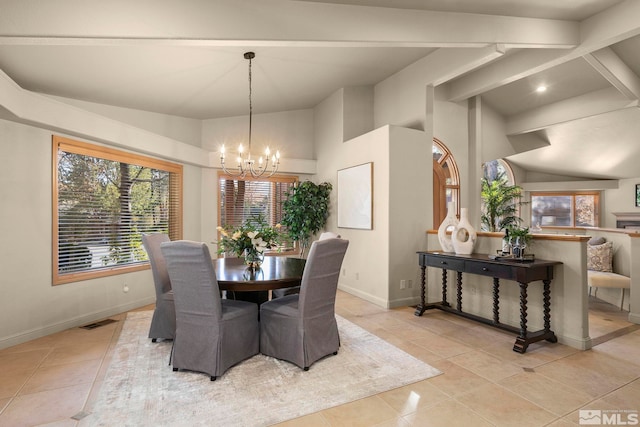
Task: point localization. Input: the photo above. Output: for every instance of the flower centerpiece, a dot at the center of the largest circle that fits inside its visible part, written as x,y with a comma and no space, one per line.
249,240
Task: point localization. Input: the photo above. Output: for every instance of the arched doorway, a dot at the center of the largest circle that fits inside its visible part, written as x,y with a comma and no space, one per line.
446,182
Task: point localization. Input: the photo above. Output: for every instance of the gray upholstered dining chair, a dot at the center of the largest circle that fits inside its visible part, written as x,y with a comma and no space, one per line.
302,328
212,334
278,293
163,323
328,235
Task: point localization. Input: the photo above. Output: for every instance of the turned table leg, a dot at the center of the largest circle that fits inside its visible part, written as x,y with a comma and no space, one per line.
459,289
444,288
420,309
521,343
496,300
546,293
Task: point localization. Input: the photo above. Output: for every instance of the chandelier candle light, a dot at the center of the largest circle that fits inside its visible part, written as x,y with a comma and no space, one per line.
246,164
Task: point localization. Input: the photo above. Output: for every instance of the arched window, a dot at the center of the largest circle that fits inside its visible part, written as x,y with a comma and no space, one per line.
501,197
446,182
498,167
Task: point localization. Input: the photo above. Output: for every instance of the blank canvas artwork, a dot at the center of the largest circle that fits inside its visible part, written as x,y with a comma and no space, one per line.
355,200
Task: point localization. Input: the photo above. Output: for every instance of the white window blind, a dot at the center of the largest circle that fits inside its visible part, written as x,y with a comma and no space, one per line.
104,200
241,199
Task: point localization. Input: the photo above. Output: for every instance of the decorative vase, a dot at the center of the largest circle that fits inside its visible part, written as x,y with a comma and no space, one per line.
464,236
518,247
506,244
449,221
253,258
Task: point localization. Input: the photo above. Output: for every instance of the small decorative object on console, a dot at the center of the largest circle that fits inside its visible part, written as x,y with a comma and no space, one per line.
449,221
464,236
519,238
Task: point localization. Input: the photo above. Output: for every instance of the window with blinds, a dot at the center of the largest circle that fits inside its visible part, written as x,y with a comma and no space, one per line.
104,200
242,199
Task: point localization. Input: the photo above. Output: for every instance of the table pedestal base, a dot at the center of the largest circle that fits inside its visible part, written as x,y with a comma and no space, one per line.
251,296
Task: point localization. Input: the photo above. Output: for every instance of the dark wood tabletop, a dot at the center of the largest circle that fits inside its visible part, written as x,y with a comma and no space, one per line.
276,272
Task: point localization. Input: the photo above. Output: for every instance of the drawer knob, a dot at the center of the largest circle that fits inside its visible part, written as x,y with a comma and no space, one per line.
443,262
485,269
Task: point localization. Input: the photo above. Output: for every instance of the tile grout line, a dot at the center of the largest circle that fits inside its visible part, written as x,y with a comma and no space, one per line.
94,391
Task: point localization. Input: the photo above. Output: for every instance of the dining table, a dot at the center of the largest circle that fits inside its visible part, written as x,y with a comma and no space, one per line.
253,284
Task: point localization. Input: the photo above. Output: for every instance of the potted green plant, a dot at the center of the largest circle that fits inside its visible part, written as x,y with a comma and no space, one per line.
520,238
500,202
306,210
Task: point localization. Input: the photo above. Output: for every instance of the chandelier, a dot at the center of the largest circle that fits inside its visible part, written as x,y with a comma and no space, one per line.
247,165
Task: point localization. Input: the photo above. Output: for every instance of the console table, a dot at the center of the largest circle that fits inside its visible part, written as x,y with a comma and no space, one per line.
522,272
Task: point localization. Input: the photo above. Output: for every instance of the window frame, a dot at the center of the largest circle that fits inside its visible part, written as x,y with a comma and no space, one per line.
99,151
440,206
573,195
291,179
511,178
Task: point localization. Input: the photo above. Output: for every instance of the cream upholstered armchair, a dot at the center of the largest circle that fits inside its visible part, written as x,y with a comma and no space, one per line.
600,272
212,334
302,328
163,323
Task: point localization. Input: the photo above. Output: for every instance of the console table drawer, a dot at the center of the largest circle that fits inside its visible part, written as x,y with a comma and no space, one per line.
443,262
492,270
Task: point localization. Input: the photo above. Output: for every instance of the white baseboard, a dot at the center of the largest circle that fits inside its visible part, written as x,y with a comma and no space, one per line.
365,296
72,323
634,318
404,302
579,343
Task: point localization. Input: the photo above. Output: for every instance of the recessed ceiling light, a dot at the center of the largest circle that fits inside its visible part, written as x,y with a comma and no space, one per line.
541,88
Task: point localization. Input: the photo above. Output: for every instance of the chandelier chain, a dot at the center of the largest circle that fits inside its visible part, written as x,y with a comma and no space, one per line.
247,165
250,105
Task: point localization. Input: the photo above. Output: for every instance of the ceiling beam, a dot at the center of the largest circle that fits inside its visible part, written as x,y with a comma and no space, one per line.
272,23
612,68
438,66
509,69
613,25
447,64
591,104
610,26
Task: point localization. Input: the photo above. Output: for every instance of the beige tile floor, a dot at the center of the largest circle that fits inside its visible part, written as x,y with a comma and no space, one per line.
50,380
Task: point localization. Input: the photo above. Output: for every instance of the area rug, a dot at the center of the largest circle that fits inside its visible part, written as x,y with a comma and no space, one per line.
140,389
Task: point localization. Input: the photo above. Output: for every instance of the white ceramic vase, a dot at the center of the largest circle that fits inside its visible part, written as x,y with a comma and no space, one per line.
449,221
464,236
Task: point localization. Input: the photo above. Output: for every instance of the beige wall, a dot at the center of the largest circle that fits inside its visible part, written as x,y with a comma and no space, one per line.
407,112
290,132
621,199
379,258
31,306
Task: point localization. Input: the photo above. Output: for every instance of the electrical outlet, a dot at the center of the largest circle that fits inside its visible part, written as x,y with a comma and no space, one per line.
403,284
344,271
410,284
357,276
125,288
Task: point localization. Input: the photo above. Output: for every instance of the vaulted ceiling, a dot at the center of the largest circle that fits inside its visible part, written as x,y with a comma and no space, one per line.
185,58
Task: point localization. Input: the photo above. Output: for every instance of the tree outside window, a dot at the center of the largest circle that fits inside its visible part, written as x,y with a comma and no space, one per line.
104,200
567,209
243,199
